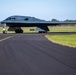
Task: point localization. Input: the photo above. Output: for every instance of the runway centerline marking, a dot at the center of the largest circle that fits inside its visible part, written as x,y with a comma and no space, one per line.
5,38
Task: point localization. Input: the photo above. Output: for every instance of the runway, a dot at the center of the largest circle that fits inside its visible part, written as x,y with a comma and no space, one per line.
33,54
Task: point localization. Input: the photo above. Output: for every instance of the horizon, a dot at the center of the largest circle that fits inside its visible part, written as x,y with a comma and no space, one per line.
45,10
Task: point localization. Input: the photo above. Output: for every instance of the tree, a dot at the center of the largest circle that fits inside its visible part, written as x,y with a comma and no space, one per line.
55,20
69,20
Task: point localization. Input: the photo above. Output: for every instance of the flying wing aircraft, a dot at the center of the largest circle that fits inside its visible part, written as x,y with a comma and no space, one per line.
17,22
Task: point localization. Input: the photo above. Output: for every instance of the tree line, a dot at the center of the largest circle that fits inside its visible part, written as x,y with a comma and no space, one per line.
67,20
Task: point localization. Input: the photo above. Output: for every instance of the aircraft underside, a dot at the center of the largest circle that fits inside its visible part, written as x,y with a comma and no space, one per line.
17,27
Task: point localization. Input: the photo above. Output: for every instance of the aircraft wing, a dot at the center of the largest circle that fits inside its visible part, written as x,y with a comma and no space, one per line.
39,22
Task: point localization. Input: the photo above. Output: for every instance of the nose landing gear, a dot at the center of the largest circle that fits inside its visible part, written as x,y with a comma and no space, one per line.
4,31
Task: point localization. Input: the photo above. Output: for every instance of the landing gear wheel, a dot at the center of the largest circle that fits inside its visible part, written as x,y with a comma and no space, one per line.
42,31
19,31
4,32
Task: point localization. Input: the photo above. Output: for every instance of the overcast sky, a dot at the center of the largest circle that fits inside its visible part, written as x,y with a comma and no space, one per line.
43,9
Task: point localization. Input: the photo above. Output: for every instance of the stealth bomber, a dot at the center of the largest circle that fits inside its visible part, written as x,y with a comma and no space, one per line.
16,22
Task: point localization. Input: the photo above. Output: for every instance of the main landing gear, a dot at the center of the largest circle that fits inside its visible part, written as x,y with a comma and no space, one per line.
18,30
42,31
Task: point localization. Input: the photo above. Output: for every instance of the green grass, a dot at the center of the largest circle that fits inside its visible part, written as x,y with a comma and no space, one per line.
63,29
69,40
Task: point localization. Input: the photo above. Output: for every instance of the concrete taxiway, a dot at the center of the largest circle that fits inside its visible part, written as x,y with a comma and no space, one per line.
33,54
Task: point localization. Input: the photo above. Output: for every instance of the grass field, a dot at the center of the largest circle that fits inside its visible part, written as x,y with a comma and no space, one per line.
68,40
63,29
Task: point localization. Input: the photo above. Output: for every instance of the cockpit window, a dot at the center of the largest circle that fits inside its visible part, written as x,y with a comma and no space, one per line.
26,19
11,18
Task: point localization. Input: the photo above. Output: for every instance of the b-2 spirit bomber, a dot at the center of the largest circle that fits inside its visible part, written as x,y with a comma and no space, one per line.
16,22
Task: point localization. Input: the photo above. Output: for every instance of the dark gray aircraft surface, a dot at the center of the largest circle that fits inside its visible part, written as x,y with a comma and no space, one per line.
16,22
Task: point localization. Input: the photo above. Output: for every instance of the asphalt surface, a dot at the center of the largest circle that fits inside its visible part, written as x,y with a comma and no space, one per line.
33,54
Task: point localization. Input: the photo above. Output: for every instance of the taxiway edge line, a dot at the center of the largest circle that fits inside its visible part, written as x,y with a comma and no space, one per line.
5,38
